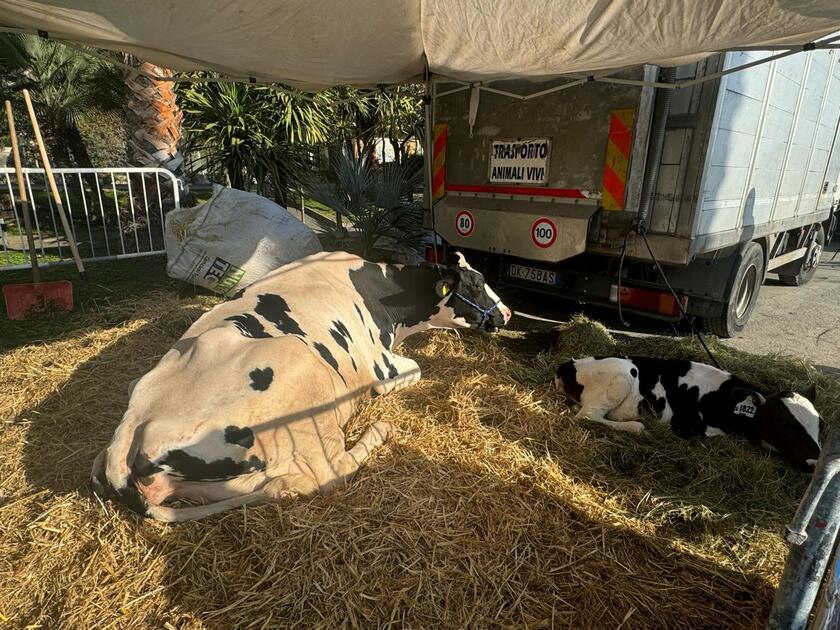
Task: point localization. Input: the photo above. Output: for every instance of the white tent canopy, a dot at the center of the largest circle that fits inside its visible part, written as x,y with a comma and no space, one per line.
319,43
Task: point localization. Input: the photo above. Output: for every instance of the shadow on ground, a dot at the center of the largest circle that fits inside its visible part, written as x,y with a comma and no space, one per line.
406,543
426,536
107,283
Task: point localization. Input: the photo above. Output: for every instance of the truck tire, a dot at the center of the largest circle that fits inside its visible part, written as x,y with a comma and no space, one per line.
810,261
743,293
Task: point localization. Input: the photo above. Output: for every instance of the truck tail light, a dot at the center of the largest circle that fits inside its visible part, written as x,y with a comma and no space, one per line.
661,302
430,255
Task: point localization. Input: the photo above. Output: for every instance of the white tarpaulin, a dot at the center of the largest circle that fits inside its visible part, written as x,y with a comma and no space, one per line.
318,43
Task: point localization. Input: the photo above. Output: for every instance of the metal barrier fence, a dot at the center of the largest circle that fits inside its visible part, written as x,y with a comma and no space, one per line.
114,213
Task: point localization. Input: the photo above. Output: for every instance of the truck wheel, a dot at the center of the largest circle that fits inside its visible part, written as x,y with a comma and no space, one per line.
809,262
748,276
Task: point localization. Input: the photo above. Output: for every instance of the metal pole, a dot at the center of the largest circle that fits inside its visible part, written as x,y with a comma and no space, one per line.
302,207
811,536
655,146
428,144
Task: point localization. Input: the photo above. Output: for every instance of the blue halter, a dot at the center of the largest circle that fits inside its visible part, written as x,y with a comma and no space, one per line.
484,312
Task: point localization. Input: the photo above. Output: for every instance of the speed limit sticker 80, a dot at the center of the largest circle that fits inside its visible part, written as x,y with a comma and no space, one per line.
464,223
543,232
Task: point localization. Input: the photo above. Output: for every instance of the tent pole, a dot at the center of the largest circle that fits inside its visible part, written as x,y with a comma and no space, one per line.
579,79
454,91
428,151
526,97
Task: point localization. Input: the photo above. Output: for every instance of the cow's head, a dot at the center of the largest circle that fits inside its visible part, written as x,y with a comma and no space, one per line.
465,299
787,423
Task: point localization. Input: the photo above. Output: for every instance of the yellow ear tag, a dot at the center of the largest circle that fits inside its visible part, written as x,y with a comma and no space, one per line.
444,289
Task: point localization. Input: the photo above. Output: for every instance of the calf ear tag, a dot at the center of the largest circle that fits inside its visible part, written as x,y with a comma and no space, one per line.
745,408
443,288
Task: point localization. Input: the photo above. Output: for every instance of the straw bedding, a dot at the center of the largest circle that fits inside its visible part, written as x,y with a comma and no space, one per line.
489,509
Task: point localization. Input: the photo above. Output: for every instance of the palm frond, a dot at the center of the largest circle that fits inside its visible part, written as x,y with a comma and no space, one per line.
65,85
378,201
261,135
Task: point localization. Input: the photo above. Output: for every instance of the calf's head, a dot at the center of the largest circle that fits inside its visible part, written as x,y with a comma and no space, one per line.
466,300
787,423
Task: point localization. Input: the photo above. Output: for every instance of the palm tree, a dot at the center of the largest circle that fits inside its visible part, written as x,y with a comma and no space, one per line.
399,117
360,118
379,201
254,136
154,118
353,123
65,86
153,123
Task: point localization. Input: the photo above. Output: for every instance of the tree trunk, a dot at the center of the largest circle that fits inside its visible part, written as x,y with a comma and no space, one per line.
154,120
397,147
81,157
55,138
154,130
233,168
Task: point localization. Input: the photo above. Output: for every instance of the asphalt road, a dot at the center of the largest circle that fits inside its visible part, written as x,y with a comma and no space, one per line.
797,321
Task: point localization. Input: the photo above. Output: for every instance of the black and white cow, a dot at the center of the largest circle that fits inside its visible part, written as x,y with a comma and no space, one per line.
251,403
696,399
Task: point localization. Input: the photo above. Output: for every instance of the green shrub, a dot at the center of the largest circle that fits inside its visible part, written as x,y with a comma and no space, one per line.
104,134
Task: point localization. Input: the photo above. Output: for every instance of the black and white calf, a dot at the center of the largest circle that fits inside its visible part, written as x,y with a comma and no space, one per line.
696,399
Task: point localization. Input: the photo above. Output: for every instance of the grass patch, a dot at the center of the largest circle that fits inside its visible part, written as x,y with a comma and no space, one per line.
321,208
12,257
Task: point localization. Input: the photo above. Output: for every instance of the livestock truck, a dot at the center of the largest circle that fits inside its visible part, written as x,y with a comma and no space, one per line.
573,187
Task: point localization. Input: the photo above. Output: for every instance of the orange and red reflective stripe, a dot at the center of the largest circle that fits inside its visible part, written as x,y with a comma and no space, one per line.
618,158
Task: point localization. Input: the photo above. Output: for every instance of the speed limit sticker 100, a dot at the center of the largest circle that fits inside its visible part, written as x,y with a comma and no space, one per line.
464,223
543,233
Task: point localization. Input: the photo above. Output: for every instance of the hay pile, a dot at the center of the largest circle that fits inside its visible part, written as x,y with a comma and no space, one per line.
490,509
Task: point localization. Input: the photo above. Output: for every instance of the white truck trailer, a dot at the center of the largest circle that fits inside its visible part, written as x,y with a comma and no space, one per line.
730,178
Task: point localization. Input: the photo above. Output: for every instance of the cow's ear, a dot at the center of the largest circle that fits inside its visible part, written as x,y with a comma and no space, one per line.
456,259
811,393
740,393
443,287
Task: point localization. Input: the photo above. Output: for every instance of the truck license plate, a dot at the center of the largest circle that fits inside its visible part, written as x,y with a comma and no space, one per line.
521,272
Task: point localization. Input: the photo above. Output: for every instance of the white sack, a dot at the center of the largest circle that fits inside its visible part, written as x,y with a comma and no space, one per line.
232,240
319,43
